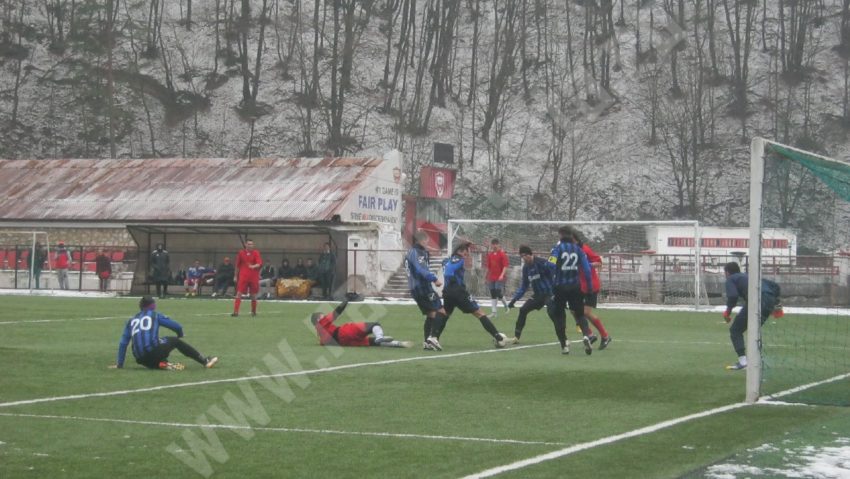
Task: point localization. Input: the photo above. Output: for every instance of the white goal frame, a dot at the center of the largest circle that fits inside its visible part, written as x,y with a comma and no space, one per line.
454,223
754,360
31,256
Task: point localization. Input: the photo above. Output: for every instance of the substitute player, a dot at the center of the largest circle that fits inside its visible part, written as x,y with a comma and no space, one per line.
455,294
150,350
248,264
497,268
570,262
353,333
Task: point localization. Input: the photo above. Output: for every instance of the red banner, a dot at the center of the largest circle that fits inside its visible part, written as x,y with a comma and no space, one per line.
437,183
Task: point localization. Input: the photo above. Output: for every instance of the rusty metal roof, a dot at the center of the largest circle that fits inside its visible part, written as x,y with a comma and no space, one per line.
179,189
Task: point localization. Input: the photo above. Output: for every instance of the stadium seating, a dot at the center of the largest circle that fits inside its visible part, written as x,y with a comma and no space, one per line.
117,256
75,255
90,267
11,259
90,256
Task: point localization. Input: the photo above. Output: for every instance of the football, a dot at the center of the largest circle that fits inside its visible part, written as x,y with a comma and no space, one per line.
500,341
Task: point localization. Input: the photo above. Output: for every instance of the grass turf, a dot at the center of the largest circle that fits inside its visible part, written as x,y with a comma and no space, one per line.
660,366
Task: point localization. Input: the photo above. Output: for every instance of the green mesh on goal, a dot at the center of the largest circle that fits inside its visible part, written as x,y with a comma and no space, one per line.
810,195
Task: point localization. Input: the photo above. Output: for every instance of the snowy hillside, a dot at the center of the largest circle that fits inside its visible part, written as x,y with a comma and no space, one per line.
585,109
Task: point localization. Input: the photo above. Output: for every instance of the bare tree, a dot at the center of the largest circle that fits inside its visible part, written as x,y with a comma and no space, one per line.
683,135
503,60
350,17
740,18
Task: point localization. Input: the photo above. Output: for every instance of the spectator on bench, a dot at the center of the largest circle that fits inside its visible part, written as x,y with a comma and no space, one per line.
285,271
193,278
268,279
300,270
223,277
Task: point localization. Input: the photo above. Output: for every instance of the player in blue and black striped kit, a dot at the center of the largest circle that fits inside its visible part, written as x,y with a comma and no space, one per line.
150,350
570,261
419,279
455,294
538,274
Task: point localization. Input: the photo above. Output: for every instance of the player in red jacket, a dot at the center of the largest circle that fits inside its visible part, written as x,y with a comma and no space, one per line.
351,334
497,269
591,292
248,264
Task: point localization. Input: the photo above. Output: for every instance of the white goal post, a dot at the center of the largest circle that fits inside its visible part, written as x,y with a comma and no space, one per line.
759,174
532,233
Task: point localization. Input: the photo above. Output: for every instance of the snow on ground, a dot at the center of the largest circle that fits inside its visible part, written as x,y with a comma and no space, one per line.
828,462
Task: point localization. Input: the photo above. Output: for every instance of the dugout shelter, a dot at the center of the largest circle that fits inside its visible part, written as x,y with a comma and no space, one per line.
207,207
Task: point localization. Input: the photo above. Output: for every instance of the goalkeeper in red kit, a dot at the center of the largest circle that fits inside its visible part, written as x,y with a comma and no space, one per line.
352,334
248,264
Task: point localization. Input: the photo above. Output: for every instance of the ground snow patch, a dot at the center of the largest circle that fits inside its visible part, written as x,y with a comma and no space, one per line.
807,462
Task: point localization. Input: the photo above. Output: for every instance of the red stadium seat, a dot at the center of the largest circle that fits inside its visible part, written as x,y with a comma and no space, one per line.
75,266
75,255
11,259
3,263
117,256
91,267
90,256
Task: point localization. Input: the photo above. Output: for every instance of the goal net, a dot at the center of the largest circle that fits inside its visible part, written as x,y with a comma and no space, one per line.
643,262
801,357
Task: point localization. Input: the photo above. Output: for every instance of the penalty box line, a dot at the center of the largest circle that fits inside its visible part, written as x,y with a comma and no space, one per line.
289,430
644,430
305,372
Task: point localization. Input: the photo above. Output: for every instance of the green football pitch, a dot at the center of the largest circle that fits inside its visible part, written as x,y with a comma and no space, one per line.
657,403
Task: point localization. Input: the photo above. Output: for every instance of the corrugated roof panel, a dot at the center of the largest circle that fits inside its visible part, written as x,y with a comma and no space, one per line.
208,189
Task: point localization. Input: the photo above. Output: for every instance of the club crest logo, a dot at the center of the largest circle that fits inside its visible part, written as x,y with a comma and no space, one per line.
440,183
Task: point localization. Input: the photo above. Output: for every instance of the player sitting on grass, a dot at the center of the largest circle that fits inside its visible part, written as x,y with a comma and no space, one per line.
737,287
352,334
150,350
455,295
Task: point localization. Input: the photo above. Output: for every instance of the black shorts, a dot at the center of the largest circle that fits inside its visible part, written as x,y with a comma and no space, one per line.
590,299
428,303
458,297
535,303
568,296
158,354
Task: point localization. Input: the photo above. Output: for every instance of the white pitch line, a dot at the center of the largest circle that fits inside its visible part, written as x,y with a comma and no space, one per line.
265,376
102,318
599,442
788,392
638,432
290,429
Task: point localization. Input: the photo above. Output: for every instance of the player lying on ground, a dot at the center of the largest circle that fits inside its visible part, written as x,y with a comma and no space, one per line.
736,287
149,349
352,334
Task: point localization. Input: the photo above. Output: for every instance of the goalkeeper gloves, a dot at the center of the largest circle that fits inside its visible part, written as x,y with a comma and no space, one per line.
726,316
